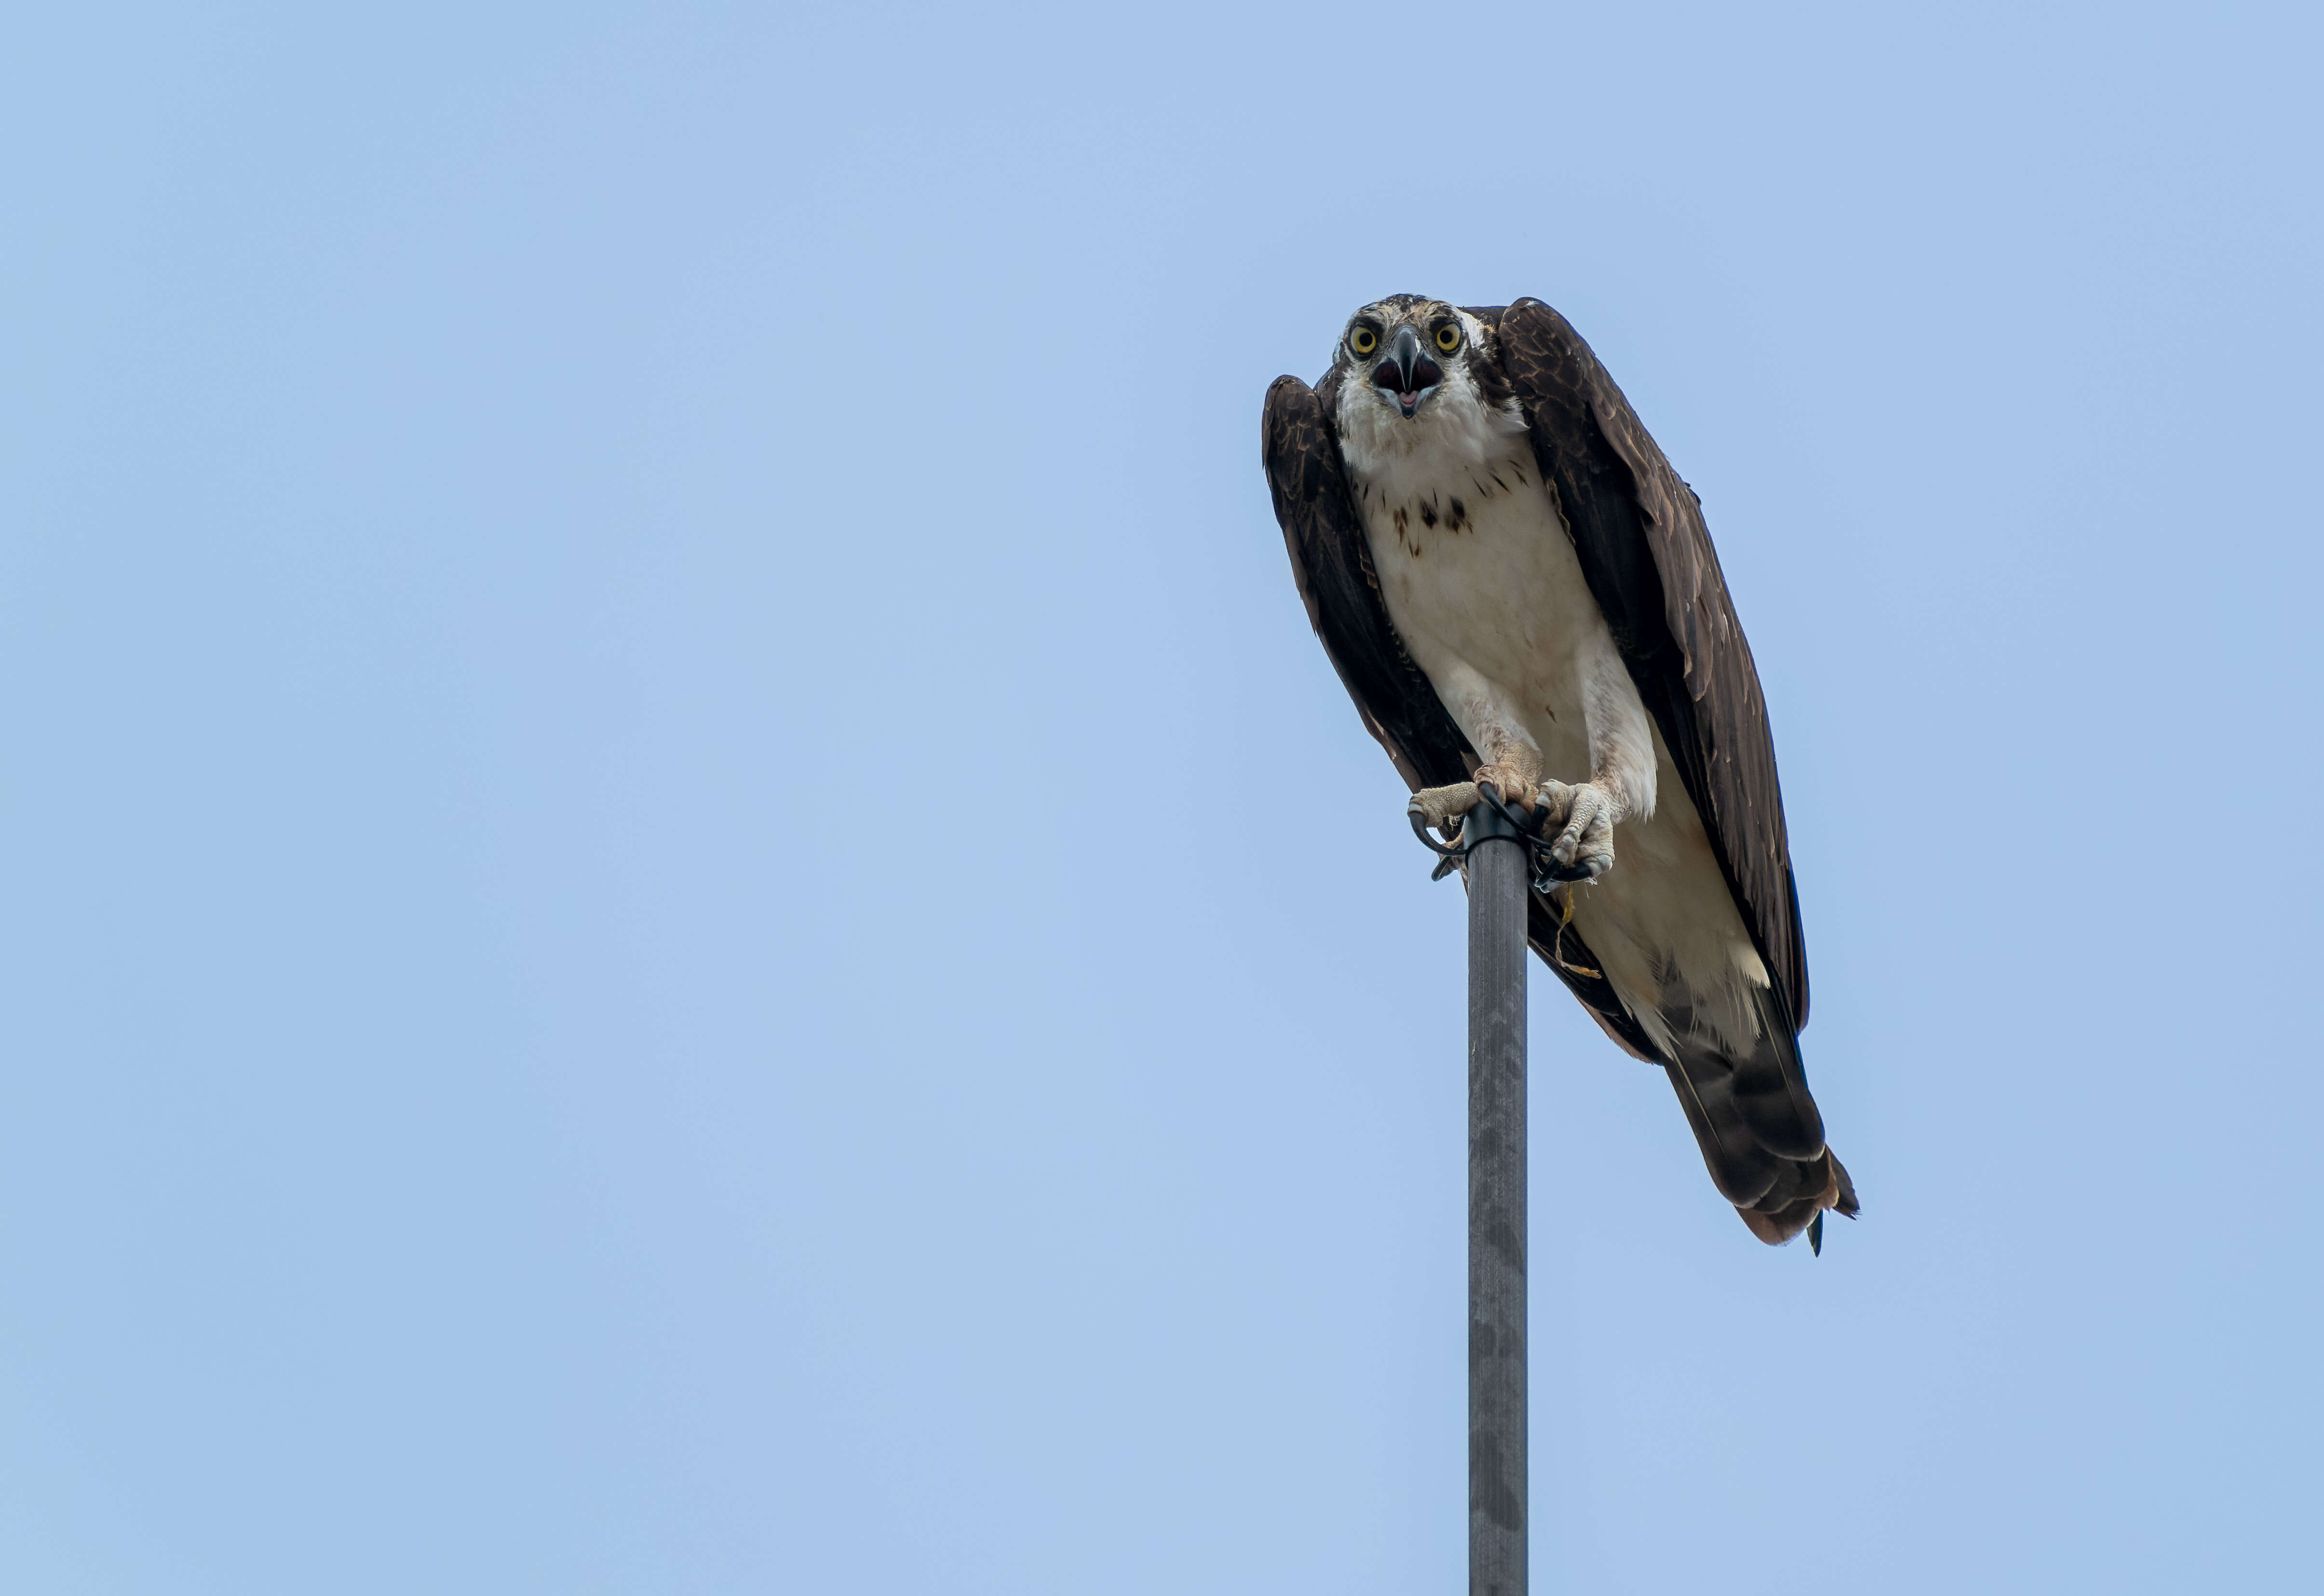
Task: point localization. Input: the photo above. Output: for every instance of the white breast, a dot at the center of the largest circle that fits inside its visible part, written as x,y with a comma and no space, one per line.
1475,565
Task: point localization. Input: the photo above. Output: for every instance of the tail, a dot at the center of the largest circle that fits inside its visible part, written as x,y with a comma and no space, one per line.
1761,1134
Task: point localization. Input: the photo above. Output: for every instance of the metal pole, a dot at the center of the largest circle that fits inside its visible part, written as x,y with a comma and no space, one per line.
1498,1505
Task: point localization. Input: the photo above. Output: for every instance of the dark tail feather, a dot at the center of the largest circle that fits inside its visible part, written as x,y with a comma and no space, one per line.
1741,1168
1760,1132
1771,1086
1774,1221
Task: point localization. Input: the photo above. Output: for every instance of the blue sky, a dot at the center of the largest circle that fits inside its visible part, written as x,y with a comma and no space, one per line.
683,907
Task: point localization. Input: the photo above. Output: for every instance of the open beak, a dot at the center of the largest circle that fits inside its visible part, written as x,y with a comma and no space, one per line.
1406,373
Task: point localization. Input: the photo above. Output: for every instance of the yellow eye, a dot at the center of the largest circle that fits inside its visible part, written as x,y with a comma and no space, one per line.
1363,340
1448,337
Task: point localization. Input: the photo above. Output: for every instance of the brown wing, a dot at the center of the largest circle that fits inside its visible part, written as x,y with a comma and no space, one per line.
1333,565
1647,557
1332,562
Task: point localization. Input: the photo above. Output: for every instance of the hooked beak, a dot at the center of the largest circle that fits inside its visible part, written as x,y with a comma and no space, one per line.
1404,373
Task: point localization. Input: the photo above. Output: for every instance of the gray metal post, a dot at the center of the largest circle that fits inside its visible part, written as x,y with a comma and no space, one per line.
1498,1504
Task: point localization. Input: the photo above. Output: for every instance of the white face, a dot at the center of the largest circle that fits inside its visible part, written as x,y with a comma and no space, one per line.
1402,349
1414,378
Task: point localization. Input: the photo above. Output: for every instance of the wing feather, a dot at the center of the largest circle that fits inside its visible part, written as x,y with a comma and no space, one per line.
1331,561
1647,554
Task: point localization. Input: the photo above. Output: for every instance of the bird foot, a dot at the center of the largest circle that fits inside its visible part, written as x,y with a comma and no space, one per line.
1440,806
1443,807
1582,819
1516,790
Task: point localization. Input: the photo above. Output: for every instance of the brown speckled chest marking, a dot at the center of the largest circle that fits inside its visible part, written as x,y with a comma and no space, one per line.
1447,511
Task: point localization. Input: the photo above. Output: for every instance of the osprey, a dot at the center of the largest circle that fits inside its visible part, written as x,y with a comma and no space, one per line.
1521,593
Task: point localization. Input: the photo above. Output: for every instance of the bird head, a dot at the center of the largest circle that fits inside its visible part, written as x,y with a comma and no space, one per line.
1404,347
